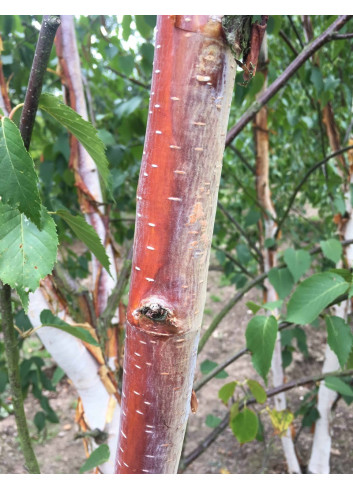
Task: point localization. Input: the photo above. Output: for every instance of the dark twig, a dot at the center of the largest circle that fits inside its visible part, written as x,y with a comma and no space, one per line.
307,52
243,159
236,262
241,231
38,70
132,80
202,447
49,27
296,31
304,179
288,42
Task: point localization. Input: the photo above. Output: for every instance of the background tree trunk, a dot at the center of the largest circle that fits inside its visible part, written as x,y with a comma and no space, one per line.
269,253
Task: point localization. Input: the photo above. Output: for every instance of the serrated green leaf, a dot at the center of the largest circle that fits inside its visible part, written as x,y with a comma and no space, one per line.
48,319
338,385
297,261
226,392
313,295
261,334
99,456
245,425
87,234
18,182
332,249
212,421
257,391
339,338
81,129
282,281
27,254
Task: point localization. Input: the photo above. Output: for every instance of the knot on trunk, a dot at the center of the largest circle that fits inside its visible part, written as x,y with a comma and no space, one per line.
154,311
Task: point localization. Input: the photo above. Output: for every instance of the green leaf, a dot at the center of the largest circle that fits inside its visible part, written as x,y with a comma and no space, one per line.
27,254
313,295
339,338
338,385
86,233
245,425
39,420
212,421
207,366
271,306
18,182
48,319
99,456
254,308
343,272
226,392
298,262
257,391
261,334
282,281
126,26
316,79
143,27
81,129
332,249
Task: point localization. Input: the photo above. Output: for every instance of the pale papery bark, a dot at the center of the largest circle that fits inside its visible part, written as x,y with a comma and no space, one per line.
81,368
269,255
192,84
319,462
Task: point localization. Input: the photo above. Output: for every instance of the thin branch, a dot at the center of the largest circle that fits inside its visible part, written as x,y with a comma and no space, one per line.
241,231
307,52
286,39
44,46
341,37
243,159
296,31
206,378
12,356
304,179
132,80
236,262
227,308
202,447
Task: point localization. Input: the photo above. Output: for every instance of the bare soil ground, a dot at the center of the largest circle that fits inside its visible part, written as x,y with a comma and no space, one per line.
59,453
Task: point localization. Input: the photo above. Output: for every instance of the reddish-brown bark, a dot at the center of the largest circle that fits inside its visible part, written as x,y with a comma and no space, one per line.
192,84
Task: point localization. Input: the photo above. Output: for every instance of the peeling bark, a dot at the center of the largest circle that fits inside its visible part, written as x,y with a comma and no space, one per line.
80,366
269,254
193,79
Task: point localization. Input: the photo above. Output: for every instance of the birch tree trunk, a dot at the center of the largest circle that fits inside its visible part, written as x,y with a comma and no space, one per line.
269,254
100,406
193,79
319,462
